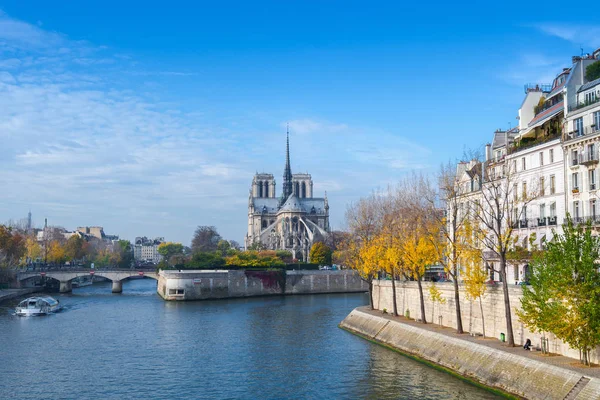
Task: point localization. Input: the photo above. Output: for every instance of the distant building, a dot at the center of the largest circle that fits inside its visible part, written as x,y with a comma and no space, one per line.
98,233
292,222
146,250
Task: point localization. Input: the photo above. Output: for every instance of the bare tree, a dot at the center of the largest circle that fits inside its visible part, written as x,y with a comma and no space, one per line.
502,207
452,225
205,238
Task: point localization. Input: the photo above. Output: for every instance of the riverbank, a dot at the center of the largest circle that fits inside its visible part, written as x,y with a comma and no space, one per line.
8,294
222,284
485,361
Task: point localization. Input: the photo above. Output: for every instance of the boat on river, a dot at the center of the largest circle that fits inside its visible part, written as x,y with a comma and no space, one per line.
34,306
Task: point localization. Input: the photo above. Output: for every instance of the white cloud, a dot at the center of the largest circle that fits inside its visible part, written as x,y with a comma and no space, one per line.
304,126
580,34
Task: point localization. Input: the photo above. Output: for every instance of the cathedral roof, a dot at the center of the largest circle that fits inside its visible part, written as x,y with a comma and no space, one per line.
292,204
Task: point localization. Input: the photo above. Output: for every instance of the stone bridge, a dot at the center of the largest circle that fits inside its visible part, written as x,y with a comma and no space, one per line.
66,277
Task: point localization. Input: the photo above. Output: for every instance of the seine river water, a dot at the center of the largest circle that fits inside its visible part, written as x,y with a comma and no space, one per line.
136,346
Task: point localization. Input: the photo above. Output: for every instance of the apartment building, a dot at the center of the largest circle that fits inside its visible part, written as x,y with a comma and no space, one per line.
548,165
146,250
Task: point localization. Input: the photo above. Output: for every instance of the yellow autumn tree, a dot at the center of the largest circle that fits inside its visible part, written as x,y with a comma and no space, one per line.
56,253
356,251
33,249
474,275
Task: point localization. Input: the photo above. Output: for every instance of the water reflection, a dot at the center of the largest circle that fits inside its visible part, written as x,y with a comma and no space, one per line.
134,345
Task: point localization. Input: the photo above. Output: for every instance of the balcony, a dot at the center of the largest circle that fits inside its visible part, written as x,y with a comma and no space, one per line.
525,144
588,158
523,223
541,221
583,104
552,221
578,134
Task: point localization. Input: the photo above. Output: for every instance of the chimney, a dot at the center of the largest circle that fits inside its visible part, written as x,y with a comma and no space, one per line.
488,152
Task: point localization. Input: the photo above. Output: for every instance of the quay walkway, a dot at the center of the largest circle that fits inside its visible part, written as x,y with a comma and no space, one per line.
527,374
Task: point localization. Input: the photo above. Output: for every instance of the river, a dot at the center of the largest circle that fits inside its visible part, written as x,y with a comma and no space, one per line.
136,346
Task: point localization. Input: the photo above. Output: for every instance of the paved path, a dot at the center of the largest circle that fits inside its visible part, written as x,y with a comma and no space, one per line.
557,360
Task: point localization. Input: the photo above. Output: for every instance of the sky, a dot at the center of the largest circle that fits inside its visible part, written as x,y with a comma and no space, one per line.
150,118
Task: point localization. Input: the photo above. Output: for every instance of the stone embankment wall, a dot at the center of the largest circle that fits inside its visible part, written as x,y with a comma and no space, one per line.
494,368
407,298
219,284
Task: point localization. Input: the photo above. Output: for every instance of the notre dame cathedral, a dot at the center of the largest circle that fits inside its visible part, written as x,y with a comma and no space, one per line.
291,222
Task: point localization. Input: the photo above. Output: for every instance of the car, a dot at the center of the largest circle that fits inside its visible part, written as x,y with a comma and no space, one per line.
524,283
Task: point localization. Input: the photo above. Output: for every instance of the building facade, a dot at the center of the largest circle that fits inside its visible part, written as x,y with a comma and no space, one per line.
548,165
293,221
146,250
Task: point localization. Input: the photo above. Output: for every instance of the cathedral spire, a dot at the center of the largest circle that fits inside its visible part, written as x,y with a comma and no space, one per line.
287,173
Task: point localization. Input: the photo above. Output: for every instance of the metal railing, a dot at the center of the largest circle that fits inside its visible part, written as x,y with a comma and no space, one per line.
586,130
583,104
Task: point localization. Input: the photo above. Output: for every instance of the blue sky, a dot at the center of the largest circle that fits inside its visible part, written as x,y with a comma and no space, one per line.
151,118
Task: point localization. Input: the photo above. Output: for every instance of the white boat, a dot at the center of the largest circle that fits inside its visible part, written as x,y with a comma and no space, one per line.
82,281
34,306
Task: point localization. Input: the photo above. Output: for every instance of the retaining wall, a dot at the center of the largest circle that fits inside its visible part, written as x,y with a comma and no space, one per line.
511,373
219,284
407,298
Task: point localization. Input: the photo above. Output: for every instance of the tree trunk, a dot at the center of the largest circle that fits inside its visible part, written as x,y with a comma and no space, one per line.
370,281
482,320
459,325
395,306
423,318
507,313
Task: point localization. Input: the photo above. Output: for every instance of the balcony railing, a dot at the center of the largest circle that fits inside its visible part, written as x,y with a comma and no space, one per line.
586,130
552,220
523,223
517,147
583,104
588,158
538,87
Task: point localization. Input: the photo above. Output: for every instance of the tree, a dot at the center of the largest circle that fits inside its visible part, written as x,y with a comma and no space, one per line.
436,297
12,246
204,260
497,215
451,225
592,72
56,253
564,297
74,248
125,251
420,240
320,254
223,246
205,238
33,249
170,249
474,279
363,225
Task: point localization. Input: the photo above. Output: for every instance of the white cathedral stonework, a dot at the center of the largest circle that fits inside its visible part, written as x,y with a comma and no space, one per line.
292,222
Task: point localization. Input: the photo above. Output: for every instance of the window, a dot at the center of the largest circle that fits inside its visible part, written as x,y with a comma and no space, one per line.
514,166
574,160
551,156
523,166
524,213
596,120
542,188
541,158
590,97
592,179
591,155
524,190
578,126
515,192
575,181
542,211
593,209
176,291
576,209
552,184
552,210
